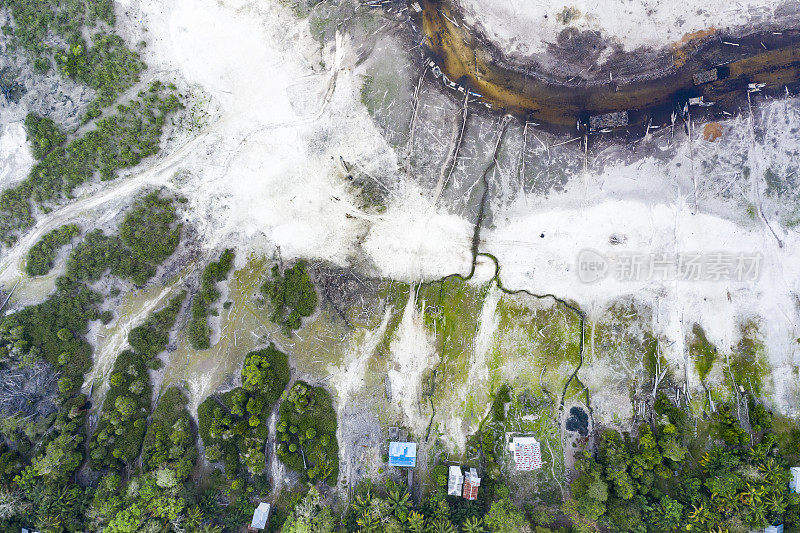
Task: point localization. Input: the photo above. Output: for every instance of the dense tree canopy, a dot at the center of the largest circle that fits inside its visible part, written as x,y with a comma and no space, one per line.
307,433
233,426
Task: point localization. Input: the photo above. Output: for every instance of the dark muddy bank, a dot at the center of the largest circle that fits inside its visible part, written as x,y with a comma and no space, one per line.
649,93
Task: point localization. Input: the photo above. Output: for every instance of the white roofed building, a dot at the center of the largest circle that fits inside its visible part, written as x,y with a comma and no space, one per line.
455,481
260,517
794,480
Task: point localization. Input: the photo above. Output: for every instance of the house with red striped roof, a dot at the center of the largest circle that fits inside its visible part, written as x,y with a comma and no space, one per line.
471,484
527,453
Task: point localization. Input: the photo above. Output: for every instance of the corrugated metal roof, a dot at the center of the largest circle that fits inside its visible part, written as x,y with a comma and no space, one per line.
260,516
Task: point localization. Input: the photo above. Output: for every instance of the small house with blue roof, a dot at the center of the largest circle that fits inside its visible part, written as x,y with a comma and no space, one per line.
403,454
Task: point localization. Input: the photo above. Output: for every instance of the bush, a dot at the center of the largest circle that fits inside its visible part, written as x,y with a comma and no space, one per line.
108,67
147,236
169,441
292,296
152,337
43,134
121,429
119,141
40,257
118,438
266,372
233,426
199,332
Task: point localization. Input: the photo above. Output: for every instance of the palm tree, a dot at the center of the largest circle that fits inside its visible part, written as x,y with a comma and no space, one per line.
368,522
442,525
473,524
416,522
363,503
398,502
193,518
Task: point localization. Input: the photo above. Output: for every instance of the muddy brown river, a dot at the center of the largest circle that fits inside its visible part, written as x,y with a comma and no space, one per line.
768,58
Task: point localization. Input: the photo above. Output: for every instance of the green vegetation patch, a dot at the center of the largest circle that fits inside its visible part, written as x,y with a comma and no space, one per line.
53,330
43,134
452,310
292,296
107,66
702,352
41,491
147,236
216,271
307,433
396,295
169,441
121,428
118,141
152,337
748,366
649,483
233,425
533,338
40,257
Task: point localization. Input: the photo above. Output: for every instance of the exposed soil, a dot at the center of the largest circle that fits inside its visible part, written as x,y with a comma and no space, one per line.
712,131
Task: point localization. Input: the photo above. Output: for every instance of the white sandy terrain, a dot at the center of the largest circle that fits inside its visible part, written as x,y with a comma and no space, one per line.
265,173
348,378
525,27
15,154
413,352
549,265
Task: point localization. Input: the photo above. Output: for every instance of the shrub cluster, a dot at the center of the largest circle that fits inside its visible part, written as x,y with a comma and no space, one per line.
216,271
233,425
169,441
292,296
43,134
147,236
122,424
108,66
307,433
40,257
119,141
